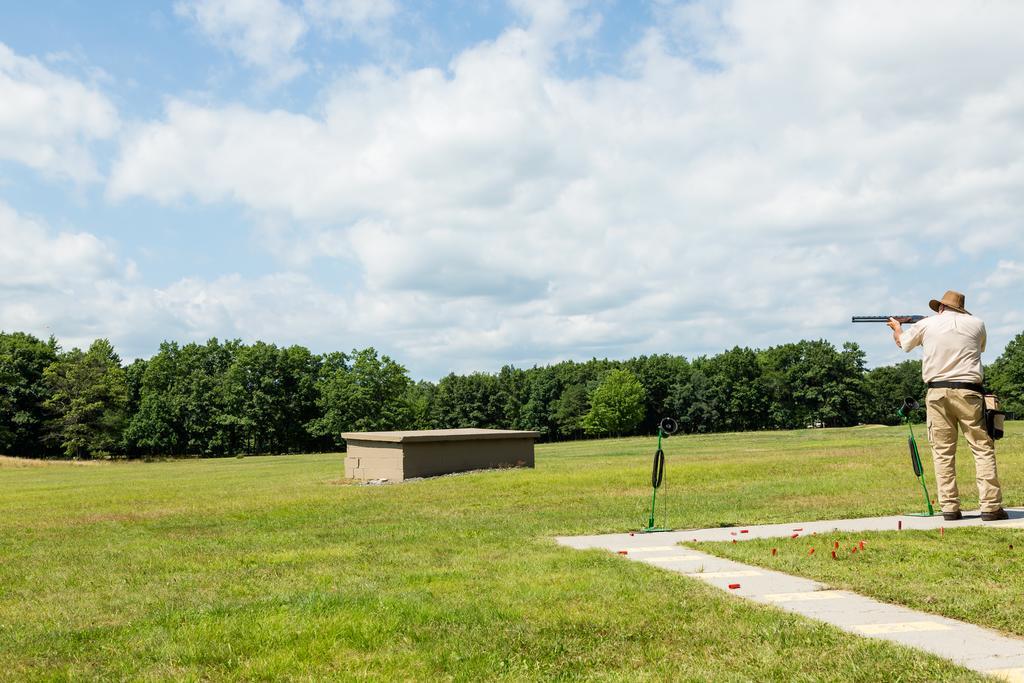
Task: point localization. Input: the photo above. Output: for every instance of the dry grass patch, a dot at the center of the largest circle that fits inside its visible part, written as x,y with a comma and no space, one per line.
8,461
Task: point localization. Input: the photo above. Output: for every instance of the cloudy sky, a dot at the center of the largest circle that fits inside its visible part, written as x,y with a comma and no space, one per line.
470,183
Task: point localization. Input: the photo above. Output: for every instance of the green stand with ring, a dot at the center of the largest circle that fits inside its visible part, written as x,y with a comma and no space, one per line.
666,428
910,404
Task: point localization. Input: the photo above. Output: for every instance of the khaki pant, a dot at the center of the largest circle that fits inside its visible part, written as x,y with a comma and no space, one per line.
948,409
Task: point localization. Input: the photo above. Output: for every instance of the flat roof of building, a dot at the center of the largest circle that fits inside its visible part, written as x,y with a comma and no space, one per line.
440,435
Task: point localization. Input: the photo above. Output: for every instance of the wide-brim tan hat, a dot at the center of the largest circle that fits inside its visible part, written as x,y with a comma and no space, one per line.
950,299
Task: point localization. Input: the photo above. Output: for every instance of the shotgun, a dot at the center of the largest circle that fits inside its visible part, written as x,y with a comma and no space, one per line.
905,319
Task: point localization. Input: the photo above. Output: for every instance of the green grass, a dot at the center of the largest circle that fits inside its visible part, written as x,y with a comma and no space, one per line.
970,573
263,568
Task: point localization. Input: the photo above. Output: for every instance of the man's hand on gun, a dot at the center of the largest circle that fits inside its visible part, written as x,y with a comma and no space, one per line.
897,330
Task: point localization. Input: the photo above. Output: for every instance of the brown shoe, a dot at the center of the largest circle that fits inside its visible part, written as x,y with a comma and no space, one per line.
994,516
952,516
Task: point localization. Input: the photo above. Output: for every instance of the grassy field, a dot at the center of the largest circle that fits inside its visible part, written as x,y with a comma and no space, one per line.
262,568
973,574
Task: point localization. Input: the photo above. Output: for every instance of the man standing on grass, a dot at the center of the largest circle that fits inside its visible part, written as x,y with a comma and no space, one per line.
953,342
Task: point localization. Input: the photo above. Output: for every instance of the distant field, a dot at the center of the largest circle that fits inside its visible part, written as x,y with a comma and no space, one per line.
270,568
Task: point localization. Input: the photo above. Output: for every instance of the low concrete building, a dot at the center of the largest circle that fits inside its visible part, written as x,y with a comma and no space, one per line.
403,455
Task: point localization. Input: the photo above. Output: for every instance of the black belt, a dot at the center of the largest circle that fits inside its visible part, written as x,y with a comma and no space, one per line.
957,385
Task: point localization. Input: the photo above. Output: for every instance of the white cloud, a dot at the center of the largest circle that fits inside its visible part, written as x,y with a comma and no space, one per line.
282,307
48,276
263,33
1007,274
48,120
363,18
34,257
753,191
1003,289
558,21
74,285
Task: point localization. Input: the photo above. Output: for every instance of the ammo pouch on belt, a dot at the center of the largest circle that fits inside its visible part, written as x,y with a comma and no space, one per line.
993,416
990,413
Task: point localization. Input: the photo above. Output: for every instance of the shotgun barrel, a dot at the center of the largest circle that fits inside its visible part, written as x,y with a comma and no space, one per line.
905,319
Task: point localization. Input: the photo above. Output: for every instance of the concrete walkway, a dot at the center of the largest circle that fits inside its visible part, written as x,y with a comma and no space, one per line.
973,647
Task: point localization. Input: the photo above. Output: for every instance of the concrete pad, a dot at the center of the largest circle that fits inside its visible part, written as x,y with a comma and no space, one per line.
767,582
974,647
671,558
735,574
1012,675
901,627
802,597
1009,524
997,663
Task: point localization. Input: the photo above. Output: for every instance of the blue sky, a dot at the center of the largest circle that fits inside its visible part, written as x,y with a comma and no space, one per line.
468,184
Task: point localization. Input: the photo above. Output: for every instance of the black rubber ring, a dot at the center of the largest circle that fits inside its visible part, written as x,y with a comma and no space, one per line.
658,473
915,458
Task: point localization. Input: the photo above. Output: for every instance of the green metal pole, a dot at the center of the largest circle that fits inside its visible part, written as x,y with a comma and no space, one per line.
654,491
918,469
650,520
654,495
909,405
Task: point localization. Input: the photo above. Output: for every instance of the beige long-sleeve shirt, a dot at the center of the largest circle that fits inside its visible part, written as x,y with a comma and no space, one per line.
952,342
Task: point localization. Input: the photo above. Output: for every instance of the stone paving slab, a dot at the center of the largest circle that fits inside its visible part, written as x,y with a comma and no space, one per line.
746,533
974,647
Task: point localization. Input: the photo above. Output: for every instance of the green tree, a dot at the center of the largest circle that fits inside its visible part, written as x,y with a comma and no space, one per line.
299,370
335,411
88,398
256,398
184,402
811,383
570,409
536,413
886,386
420,398
133,377
693,402
512,389
737,395
200,398
467,401
23,360
658,374
1006,376
157,425
369,393
616,405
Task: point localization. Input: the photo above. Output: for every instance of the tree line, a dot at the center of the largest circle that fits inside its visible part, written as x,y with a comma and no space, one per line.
229,398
